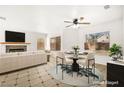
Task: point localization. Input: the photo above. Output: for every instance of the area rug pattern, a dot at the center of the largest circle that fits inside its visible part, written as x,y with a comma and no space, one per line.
75,80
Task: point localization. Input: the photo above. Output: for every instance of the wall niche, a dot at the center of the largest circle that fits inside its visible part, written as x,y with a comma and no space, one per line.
40,44
55,43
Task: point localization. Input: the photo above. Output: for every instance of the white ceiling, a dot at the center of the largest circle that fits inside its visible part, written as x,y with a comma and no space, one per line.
50,19
97,14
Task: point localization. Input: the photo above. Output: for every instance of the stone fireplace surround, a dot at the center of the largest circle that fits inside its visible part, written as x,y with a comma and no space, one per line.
16,48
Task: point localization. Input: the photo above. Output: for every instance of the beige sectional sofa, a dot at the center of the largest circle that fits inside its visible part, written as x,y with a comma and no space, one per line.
15,61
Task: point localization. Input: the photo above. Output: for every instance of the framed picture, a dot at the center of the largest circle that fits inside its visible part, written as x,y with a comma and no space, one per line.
98,42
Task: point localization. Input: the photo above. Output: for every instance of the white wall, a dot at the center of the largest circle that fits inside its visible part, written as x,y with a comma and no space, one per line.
2,35
73,36
32,37
2,28
101,20
115,28
21,19
50,19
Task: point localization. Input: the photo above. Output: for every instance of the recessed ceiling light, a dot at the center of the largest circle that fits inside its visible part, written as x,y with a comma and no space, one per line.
3,18
106,6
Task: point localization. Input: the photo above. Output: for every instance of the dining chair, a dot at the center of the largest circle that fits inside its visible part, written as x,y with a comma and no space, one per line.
62,61
87,65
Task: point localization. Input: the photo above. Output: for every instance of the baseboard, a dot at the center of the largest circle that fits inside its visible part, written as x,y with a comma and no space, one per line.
3,73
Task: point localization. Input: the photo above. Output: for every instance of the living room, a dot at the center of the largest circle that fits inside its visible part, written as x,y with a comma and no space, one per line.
33,36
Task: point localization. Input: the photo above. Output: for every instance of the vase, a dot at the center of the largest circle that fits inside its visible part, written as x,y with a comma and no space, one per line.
114,58
76,52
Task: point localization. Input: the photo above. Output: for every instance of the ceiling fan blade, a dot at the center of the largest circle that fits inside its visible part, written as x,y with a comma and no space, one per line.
69,25
68,22
85,23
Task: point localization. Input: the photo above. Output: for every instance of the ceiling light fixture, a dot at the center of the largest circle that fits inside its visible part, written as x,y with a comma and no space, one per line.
76,26
3,18
106,7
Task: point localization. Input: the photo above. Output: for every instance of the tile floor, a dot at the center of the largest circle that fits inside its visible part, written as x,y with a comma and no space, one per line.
37,77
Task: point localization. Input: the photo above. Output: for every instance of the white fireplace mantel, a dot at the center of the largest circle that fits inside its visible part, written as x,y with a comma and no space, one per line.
15,43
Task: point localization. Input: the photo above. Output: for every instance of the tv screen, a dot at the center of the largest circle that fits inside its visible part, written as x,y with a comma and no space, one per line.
11,36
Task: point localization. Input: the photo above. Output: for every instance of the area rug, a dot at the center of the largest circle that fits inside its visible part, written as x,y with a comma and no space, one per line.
77,81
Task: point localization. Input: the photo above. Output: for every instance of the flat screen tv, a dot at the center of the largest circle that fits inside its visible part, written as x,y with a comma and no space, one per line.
11,36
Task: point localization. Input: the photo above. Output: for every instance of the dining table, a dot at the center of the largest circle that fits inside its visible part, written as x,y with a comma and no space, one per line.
75,65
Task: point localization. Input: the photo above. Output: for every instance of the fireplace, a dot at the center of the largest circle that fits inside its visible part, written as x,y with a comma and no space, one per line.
16,48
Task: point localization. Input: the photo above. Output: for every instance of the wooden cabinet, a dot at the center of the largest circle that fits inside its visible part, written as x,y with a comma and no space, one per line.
115,75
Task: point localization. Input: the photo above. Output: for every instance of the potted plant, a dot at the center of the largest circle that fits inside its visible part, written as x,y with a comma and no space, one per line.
115,52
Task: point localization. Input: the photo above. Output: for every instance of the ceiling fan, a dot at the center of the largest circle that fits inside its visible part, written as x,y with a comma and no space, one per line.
76,21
